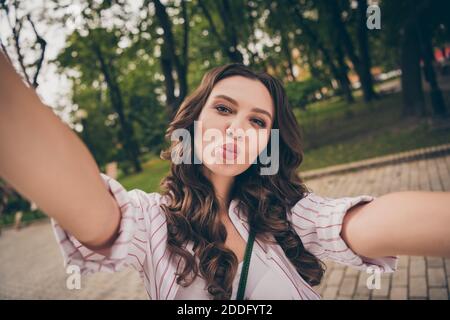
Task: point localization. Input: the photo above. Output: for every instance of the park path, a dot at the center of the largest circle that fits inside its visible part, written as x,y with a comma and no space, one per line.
31,264
417,277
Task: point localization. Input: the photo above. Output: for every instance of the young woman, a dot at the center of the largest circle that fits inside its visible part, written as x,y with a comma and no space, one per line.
188,242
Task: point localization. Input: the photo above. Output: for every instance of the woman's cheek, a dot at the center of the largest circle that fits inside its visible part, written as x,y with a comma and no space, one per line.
253,148
199,144
262,144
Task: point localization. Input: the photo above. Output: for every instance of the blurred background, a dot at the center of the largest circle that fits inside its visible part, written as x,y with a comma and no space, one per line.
365,79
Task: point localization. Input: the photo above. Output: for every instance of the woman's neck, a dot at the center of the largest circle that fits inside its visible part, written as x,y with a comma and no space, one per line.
222,188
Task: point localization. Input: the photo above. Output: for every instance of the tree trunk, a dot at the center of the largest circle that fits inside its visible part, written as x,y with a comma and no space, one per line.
229,42
229,22
130,144
363,72
437,100
412,91
344,82
365,62
287,54
314,40
170,61
169,81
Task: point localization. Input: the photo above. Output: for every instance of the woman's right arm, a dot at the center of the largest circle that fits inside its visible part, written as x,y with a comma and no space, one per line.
47,163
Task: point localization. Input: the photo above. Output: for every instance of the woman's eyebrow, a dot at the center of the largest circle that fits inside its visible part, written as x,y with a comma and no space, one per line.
262,111
233,101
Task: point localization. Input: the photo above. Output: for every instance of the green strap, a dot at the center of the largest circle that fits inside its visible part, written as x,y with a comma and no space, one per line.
244,271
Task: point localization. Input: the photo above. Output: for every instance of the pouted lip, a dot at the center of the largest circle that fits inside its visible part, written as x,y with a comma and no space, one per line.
230,147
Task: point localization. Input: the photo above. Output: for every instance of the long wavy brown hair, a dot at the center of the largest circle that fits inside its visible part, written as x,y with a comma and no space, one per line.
193,210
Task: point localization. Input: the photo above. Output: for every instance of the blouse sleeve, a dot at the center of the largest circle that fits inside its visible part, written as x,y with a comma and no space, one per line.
318,222
131,247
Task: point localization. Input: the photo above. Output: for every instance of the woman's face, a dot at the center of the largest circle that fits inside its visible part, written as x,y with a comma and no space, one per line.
234,125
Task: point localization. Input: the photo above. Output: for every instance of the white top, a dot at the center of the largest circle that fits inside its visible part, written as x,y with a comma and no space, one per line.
261,279
142,244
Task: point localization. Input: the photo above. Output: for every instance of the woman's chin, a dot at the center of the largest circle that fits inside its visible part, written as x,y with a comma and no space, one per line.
229,170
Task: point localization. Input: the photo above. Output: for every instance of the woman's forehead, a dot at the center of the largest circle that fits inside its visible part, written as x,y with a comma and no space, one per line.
246,92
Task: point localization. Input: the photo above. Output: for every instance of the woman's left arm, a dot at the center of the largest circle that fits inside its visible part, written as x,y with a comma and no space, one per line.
400,223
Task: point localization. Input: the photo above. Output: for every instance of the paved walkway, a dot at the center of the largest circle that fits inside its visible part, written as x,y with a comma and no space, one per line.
417,277
31,264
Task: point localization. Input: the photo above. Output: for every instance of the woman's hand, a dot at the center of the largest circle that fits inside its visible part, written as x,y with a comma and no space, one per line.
47,163
400,223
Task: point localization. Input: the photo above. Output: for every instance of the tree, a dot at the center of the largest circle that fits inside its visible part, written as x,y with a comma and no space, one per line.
227,36
412,90
97,54
314,40
414,27
16,19
361,63
171,61
364,59
110,75
424,29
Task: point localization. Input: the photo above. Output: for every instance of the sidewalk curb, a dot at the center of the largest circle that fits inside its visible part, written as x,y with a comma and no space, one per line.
422,153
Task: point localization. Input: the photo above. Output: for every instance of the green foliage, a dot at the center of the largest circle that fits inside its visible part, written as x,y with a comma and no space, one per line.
302,93
135,75
16,203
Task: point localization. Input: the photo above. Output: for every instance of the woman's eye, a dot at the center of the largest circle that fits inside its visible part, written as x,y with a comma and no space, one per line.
260,123
221,108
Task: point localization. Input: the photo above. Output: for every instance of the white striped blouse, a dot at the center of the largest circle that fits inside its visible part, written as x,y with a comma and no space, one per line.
143,233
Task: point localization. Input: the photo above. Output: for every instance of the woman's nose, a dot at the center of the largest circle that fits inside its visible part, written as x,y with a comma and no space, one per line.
235,134
236,130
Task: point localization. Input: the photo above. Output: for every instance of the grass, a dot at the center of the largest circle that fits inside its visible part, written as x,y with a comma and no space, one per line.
148,180
348,121
383,142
